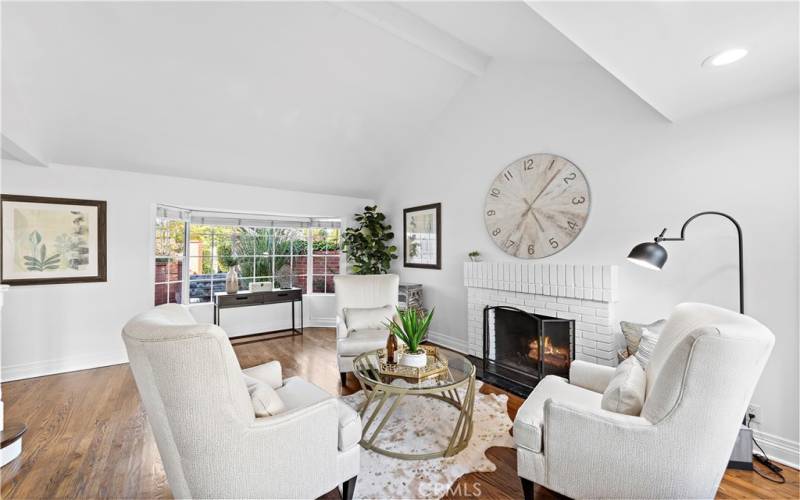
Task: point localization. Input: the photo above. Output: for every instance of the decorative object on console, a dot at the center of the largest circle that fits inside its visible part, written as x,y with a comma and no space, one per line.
654,256
52,240
537,206
260,286
410,327
422,233
474,256
633,335
434,365
366,245
232,280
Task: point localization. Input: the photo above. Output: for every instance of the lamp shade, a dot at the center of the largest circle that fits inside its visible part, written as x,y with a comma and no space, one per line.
650,255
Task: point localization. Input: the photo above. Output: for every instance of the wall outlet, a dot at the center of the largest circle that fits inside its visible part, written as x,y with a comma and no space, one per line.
754,410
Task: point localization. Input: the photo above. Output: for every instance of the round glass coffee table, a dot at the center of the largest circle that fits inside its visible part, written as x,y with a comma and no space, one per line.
380,389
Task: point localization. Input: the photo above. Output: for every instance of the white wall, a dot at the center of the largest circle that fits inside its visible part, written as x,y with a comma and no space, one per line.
645,174
55,328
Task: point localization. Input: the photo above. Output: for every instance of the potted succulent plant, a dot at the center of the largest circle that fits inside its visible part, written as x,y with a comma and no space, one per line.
410,326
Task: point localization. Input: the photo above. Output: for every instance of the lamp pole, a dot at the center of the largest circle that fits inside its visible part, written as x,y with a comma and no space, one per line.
661,238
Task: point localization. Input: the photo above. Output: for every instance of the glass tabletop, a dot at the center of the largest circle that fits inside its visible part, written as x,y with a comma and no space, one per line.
458,370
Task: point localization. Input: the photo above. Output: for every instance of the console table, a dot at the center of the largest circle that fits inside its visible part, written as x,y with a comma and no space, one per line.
224,300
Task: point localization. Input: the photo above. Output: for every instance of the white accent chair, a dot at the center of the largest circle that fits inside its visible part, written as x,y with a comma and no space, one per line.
700,378
361,291
211,443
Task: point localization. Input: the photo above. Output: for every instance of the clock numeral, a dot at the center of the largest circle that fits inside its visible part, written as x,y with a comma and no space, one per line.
578,200
490,213
570,177
510,243
553,243
495,192
508,175
528,165
496,232
572,225
530,250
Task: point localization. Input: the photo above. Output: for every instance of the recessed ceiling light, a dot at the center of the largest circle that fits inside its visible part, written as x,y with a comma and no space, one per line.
725,57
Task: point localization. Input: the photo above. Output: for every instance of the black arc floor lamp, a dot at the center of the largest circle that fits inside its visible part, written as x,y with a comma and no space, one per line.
653,256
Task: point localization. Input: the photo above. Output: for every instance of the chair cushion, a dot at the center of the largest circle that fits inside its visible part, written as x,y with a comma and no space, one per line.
298,393
646,347
530,417
360,341
349,427
266,401
633,333
367,318
625,392
269,373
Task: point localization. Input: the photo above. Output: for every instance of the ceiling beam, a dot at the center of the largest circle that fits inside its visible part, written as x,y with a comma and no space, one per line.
420,33
13,151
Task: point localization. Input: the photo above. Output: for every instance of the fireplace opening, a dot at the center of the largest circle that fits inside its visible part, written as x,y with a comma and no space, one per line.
522,348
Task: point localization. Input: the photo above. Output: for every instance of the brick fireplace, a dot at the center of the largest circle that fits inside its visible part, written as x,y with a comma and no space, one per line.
584,293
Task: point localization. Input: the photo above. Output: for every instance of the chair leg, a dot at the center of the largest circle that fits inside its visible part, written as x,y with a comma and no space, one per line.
348,487
527,488
344,378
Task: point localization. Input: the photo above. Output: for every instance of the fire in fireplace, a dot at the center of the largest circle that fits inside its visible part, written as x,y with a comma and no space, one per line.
522,347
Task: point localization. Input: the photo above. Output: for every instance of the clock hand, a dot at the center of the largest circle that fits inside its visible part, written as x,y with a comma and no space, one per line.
548,183
537,221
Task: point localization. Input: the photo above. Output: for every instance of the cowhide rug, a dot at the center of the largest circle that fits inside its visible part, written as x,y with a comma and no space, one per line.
422,425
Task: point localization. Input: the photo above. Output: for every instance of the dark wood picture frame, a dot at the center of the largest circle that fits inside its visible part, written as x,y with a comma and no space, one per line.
433,206
101,239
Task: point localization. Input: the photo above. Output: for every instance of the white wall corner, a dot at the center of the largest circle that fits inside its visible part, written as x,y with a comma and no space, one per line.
455,343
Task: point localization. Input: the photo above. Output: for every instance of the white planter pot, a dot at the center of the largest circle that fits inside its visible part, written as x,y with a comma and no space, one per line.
414,360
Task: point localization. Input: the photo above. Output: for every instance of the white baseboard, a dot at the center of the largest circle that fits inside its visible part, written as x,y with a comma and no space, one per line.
322,322
62,365
778,449
444,340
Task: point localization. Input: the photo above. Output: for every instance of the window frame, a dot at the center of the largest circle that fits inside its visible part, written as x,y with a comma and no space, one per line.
187,256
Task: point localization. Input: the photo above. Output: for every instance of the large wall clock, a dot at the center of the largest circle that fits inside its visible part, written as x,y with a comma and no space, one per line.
537,206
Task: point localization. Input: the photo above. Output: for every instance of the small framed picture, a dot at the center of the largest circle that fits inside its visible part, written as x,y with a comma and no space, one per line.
52,240
422,229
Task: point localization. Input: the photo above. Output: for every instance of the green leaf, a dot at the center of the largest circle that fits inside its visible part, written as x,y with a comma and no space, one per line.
35,238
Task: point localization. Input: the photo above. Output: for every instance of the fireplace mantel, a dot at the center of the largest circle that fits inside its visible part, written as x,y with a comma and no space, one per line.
585,293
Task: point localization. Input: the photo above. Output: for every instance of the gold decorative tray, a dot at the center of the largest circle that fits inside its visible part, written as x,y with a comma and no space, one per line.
436,364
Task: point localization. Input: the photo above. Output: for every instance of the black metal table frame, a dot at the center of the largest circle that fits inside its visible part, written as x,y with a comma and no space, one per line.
294,330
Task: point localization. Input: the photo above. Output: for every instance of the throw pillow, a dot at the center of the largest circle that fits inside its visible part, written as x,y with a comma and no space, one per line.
633,332
625,392
646,346
266,401
367,318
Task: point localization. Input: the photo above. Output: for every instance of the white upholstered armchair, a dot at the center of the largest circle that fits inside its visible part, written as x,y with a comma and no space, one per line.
700,378
210,440
361,292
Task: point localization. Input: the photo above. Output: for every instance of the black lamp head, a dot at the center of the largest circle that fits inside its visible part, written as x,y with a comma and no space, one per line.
649,254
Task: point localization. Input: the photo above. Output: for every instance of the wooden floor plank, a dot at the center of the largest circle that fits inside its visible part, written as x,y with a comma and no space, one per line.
88,436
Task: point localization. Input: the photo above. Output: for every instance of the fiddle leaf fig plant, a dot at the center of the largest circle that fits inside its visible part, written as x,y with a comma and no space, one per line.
410,326
367,245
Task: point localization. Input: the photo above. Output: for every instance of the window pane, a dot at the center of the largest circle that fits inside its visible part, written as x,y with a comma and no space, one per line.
325,240
168,269
332,264
169,237
199,290
329,286
175,292
283,241
161,296
263,266
201,265
300,282
319,284
246,266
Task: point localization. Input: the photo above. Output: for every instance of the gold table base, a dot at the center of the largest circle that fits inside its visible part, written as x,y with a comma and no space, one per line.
382,393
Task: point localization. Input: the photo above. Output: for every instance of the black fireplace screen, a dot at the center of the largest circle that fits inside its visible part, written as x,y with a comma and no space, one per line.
525,347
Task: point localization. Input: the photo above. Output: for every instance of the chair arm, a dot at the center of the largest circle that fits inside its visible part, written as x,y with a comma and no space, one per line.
619,448
269,373
341,328
590,376
290,455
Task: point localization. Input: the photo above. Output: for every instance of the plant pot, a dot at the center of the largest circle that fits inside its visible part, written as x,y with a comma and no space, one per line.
415,360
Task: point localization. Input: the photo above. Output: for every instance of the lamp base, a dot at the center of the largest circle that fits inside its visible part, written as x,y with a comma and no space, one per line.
742,455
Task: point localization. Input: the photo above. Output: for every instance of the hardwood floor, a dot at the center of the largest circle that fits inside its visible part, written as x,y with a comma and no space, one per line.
89,438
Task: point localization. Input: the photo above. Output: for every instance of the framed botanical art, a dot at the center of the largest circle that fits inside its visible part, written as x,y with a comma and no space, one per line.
422,230
52,240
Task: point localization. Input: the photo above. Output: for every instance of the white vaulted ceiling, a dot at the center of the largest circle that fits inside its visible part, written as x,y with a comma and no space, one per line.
325,97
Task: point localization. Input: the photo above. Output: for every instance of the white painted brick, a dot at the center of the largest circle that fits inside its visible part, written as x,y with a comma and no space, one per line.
610,356
565,300
568,315
546,289
597,277
583,357
586,311
587,276
578,276
588,327
561,274
553,274
598,294
594,320
555,306
570,291
607,362
537,274
606,273
602,313
546,276
579,292
570,274
607,295
539,288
